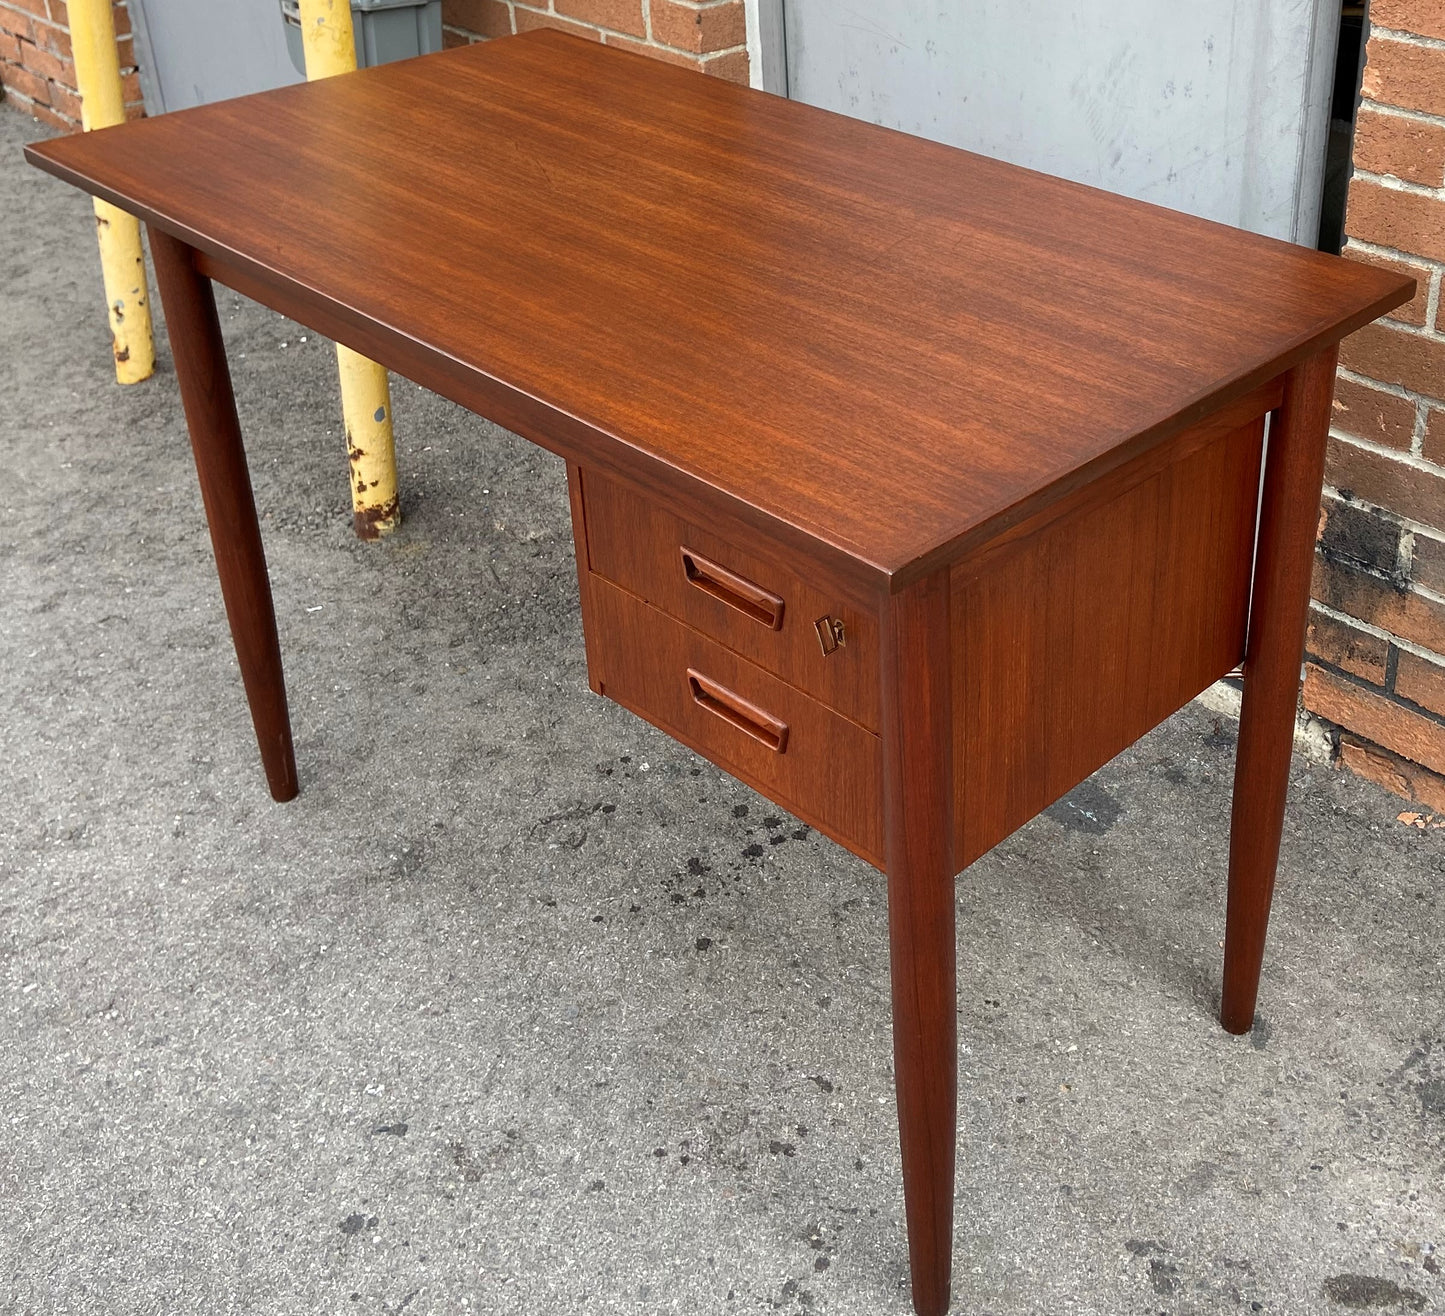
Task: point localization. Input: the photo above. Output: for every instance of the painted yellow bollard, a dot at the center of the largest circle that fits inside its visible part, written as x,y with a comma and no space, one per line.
366,409
329,42
122,263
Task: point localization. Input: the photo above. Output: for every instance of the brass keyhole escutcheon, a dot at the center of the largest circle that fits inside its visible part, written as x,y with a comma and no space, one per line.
830,634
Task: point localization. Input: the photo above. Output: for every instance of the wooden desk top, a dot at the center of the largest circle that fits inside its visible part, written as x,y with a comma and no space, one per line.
889,345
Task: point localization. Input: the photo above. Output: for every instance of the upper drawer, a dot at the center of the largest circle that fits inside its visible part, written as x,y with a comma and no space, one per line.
813,640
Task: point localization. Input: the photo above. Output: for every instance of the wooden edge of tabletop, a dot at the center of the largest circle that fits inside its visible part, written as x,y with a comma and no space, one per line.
1396,290
541,422
552,427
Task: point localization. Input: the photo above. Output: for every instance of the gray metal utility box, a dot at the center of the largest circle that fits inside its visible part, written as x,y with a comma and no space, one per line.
385,30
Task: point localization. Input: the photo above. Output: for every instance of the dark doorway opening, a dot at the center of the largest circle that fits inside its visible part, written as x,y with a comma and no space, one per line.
1349,70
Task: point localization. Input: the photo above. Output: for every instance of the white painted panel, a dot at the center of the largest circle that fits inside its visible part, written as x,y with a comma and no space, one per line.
767,50
1216,107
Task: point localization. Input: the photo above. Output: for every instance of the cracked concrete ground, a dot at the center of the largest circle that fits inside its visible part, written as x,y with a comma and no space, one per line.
521,1008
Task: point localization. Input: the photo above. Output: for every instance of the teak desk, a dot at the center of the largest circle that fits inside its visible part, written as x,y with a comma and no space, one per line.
908,486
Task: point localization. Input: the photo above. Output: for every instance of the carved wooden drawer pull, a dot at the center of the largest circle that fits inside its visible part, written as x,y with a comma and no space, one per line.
733,708
736,591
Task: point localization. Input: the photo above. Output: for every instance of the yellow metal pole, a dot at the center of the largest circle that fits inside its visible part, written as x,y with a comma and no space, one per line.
327,38
122,263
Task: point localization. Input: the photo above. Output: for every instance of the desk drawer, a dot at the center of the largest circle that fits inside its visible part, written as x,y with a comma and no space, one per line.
812,761
773,616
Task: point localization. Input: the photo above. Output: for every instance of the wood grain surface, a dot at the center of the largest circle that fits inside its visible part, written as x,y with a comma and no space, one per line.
1284,555
1072,642
882,344
225,479
918,830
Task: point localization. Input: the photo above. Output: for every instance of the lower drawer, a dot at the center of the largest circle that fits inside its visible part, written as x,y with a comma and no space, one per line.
813,761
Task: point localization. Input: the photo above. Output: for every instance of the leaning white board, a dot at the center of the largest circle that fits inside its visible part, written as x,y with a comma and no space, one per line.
192,52
1216,107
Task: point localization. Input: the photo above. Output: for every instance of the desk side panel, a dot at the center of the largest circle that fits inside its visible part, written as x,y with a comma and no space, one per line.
1071,642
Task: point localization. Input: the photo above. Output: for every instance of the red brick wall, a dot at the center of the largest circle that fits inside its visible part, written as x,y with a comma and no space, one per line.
710,36
1377,635
35,65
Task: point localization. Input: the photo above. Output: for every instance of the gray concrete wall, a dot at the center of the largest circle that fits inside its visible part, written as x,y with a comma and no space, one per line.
1218,109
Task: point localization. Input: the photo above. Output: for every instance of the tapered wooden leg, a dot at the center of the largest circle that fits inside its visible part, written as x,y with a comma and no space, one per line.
1289,515
205,382
918,849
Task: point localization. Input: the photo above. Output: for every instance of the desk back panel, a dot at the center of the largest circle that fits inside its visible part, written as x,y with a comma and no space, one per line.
1074,639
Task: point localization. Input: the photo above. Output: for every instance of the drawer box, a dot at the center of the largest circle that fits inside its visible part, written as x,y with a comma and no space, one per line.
822,645
820,765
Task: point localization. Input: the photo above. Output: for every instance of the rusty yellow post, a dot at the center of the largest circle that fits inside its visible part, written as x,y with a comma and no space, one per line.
122,263
327,38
